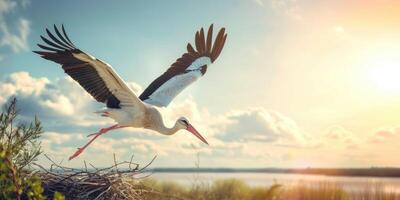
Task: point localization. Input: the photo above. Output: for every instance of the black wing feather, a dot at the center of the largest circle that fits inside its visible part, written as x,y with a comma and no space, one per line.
47,48
52,43
56,40
62,51
66,36
62,38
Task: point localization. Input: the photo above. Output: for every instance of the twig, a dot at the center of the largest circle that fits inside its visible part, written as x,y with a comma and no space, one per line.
148,164
115,163
85,165
93,167
130,162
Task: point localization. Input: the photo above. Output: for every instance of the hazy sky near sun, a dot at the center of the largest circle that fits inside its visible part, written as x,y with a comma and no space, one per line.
299,82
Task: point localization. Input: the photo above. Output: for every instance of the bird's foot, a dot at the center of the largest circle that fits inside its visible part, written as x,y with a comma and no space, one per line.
93,134
77,153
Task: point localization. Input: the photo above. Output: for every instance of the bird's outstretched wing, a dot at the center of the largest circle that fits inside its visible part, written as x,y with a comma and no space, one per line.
186,69
95,76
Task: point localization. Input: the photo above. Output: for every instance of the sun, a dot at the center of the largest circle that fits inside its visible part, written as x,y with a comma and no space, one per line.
384,73
386,76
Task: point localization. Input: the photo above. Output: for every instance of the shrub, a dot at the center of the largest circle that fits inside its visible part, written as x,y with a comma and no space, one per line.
19,147
18,139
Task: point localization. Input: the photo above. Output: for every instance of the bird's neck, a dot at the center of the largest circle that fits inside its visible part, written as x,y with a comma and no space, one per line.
168,131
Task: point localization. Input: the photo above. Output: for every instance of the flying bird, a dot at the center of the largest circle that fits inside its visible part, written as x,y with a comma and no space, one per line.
100,80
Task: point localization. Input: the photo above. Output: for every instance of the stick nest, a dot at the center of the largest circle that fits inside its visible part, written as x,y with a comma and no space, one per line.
119,181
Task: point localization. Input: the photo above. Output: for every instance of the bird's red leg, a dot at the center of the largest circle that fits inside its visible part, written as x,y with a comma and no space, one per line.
105,130
102,131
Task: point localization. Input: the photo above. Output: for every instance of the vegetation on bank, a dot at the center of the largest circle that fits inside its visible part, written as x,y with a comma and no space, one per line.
233,189
370,172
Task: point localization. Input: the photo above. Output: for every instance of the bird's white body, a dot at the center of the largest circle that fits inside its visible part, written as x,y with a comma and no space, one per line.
125,116
147,117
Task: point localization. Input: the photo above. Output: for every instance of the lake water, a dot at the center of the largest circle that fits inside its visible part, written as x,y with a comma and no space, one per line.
268,179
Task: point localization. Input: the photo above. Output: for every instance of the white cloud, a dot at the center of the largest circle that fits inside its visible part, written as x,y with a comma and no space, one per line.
253,133
385,135
21,83
16,40
259,2
341,137
258,124
60,103
25,3
55,101
287,7
6,6
59,138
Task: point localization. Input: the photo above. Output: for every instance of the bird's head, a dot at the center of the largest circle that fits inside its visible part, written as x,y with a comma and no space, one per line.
183,123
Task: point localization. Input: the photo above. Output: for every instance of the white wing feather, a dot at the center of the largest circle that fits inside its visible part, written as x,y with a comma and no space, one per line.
170,89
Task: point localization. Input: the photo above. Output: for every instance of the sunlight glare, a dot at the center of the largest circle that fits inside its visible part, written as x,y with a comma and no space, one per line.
384,73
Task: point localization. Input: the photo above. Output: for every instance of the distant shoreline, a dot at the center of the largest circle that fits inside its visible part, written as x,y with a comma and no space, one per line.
360,172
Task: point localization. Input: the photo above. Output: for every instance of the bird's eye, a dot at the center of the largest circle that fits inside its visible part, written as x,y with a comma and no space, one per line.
185,122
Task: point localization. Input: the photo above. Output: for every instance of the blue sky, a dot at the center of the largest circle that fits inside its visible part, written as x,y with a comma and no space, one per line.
295,77
142,39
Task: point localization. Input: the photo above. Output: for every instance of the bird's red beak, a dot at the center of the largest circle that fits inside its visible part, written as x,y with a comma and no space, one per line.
191,129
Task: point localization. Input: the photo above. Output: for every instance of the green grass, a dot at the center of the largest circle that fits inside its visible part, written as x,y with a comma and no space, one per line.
234,189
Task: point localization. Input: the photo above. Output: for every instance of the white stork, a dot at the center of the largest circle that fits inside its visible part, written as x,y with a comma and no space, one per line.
122,105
